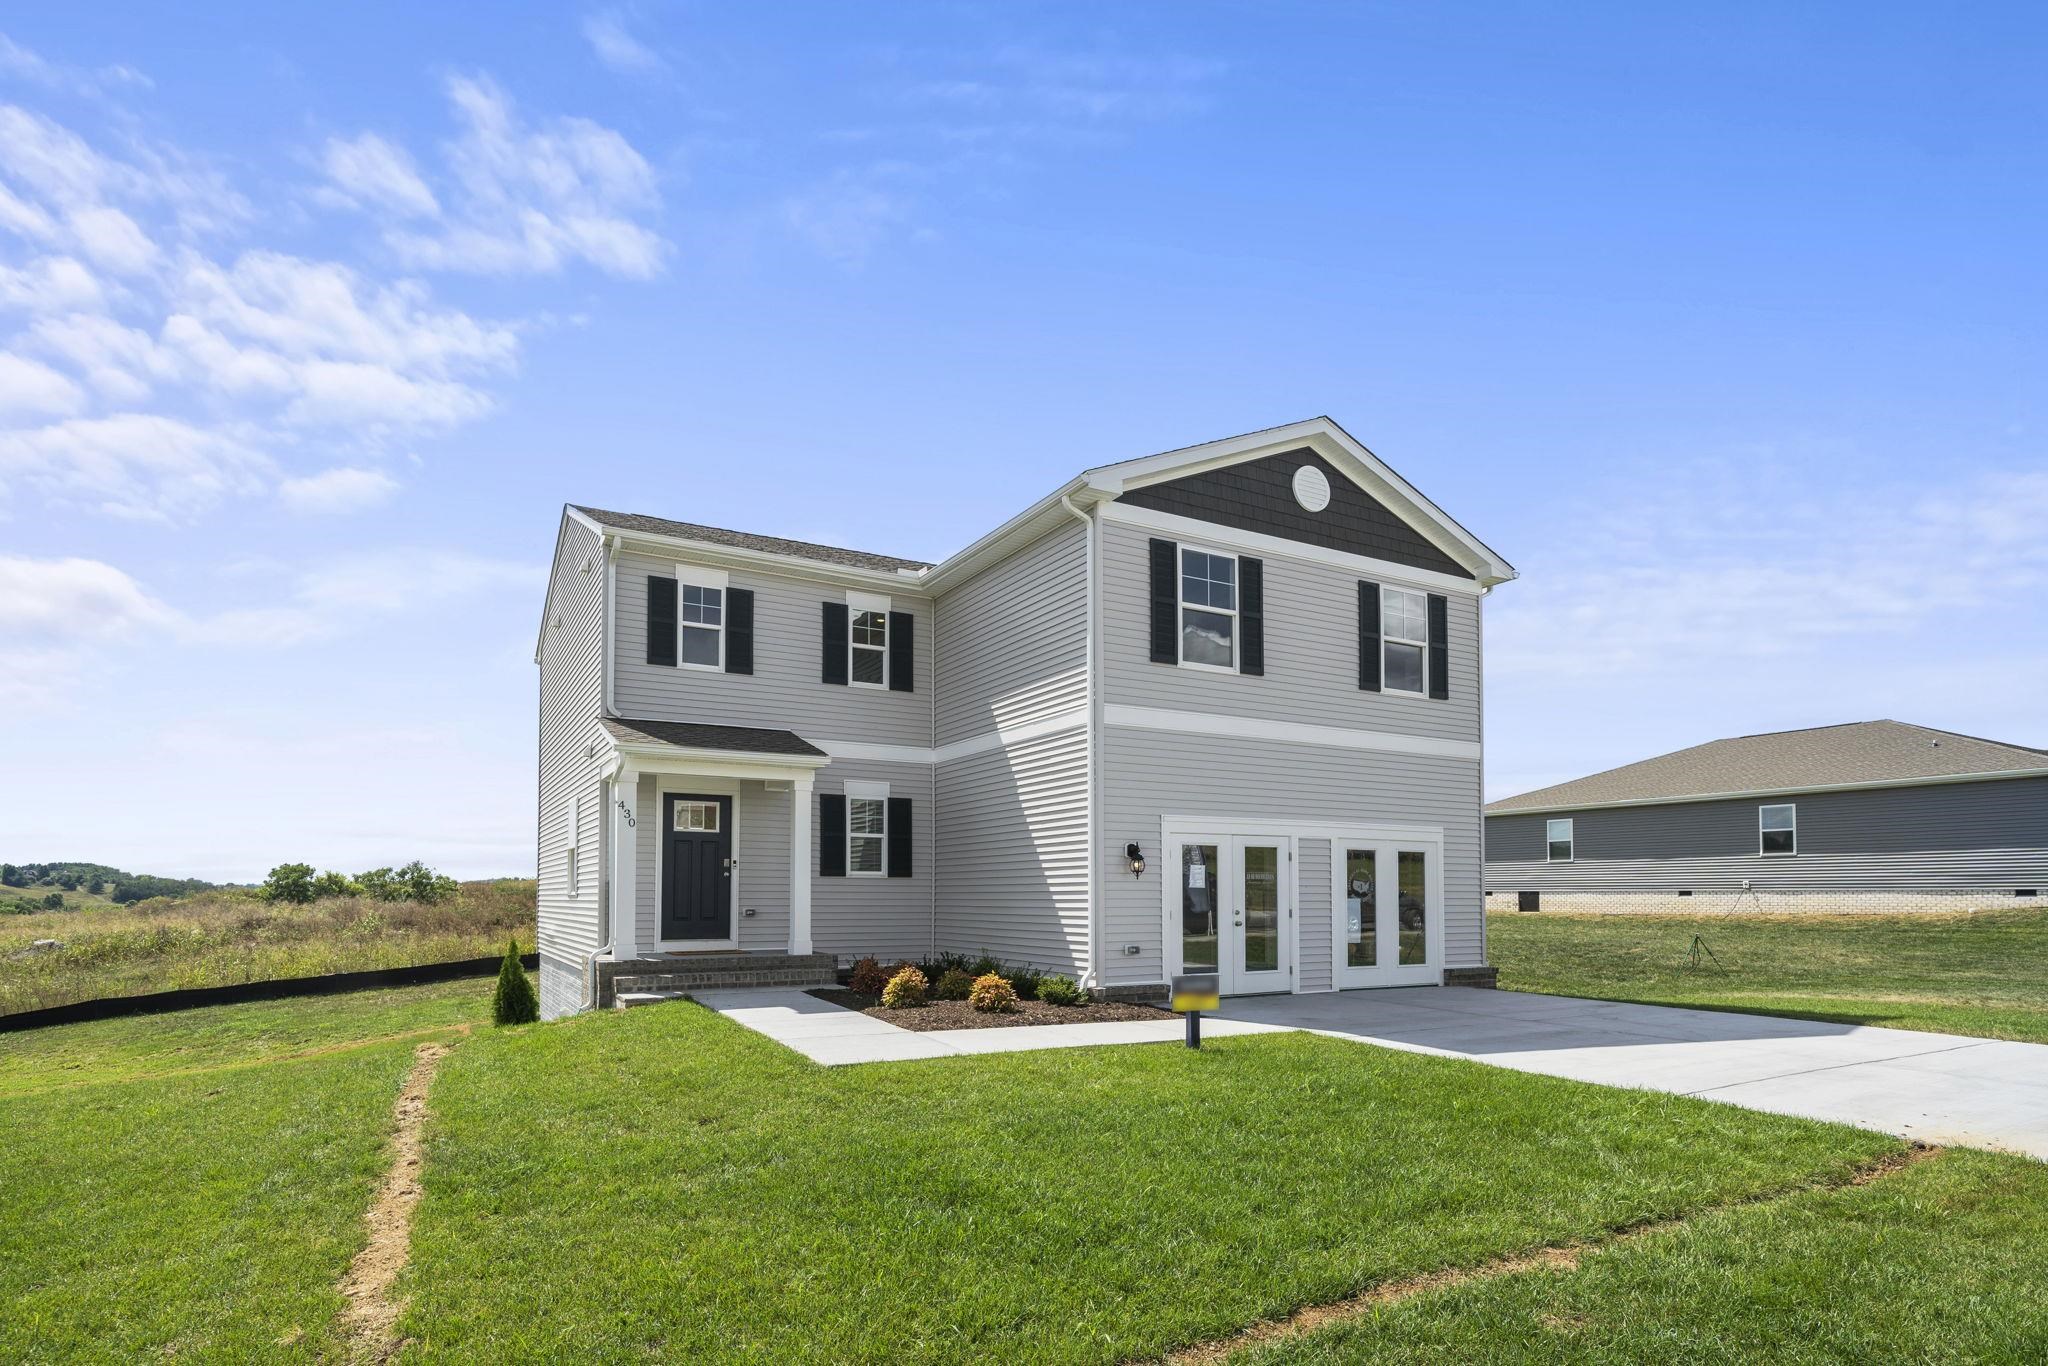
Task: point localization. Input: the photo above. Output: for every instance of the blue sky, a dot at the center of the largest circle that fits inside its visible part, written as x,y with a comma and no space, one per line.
1725,327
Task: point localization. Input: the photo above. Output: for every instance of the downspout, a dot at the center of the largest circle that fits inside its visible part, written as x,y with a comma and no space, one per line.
933,697
1479,685
1092,977
608,546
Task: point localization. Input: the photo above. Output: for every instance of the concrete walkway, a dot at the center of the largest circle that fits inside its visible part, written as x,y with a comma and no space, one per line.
836,1036
1937,1088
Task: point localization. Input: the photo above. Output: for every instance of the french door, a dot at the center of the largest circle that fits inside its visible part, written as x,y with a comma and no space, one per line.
1388,896
1235,910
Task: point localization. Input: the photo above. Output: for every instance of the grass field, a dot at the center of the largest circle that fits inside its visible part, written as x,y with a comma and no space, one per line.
214,938
1984,974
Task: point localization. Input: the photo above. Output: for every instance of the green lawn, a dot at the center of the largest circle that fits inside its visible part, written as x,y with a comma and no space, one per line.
1943,1262
720,1198
1984,974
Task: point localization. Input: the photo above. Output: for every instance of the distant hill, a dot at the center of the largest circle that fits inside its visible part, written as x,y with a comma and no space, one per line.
98,879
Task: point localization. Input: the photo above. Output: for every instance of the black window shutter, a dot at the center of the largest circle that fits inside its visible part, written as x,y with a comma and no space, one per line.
902,653
899,837
1165,602
661,620
835,654
831,835
1368,636
1251,615
1439,646
739,630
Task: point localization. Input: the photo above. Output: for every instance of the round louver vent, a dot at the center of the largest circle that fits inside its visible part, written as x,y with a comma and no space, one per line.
1311,488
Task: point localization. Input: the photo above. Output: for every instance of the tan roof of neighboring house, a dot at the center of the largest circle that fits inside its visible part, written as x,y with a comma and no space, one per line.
1861,752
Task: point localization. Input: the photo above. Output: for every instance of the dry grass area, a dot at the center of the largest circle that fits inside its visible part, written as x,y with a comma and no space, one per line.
214,938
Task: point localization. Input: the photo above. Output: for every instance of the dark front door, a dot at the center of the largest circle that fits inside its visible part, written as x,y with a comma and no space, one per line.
696,867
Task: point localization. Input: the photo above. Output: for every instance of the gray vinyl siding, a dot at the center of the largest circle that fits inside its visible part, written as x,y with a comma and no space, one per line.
1311,651
1987,835
570,928
1148,775
1314,926
889,917
786,689
1013,852
1012,640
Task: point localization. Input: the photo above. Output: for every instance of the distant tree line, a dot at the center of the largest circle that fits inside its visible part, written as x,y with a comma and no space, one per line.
297,884
98,879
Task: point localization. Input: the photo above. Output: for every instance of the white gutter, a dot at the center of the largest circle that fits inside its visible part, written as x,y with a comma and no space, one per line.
1092,977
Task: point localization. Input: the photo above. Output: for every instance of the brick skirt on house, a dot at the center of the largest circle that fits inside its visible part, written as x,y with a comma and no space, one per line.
1768,902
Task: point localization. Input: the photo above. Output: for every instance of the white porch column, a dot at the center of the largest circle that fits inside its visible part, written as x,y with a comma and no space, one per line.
625,793
800,864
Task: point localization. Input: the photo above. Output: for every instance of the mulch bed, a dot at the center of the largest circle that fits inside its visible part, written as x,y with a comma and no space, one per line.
960,1015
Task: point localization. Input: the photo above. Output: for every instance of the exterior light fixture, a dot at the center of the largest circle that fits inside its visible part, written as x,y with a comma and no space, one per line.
1137,858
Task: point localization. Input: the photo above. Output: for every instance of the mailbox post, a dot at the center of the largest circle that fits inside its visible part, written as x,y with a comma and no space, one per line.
1194,993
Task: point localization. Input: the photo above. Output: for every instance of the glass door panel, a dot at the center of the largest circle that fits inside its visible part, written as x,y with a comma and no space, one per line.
1414,907
1259,866
1199,884
1361,908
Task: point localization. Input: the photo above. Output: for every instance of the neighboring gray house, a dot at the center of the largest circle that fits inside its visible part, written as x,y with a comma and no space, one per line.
1217,708
1877,815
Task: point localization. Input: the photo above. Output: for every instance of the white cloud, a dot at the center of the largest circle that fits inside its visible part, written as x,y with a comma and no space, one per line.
849,214
342,489
31,388
532,198
135,465
617,48
69,600
391,581
49,284
368,170
19,62
113,240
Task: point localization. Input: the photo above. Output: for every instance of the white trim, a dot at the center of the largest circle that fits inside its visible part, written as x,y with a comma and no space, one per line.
1762,852
1259,543
667,785
1389,842
958,749
1761,792
1230,837
866,787
684,626
703,576
867,604
1286,732
857,601
1571,838
712,763
800,863
865,792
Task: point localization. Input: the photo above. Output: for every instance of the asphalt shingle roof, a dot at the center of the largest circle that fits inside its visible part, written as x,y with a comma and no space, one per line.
743,540
1859,752
691,735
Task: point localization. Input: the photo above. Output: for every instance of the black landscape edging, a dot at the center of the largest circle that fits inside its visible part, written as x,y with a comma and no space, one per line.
158,1002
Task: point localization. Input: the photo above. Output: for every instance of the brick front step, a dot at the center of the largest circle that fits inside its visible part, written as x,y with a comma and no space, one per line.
672,975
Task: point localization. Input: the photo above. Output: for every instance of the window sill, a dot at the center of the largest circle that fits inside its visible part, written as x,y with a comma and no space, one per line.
1207,668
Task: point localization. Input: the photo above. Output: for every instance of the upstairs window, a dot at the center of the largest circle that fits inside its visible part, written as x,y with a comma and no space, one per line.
703,633
1208,610
572,870
1557,840
867,645
1404,638
867,834
1777,829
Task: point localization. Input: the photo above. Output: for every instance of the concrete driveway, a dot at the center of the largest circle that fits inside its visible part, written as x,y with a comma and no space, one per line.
1937,1088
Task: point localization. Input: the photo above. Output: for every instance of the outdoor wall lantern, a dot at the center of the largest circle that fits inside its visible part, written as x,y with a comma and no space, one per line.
1137,858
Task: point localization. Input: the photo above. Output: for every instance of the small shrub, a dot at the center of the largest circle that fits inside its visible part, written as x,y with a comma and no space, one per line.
992,994
1025,980
514,1001
985,966
868,978
954,984
905,990
1059,991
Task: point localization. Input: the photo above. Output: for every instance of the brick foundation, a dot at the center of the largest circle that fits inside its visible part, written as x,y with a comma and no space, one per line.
1487,976
1705,902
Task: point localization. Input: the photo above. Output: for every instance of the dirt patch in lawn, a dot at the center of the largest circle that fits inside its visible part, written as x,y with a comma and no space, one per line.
371,1314
960,1015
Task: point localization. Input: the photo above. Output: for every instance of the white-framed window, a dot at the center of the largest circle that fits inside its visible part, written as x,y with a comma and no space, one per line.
867,829
1208,609
1404,640
867,648
696,817
572,860
702,628
1557,840
1777,829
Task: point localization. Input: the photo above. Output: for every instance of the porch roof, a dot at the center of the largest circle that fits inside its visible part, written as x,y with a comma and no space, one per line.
692,735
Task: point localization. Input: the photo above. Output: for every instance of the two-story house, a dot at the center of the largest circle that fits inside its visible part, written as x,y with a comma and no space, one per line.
1212,710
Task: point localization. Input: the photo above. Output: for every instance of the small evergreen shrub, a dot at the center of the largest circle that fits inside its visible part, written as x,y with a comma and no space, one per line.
953,985
1024,980
1057,990
992,994
868,978
514,1002
905,990
984,966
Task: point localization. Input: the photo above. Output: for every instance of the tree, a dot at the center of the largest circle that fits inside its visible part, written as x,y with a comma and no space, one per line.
334,884
379,885
514,1001
11,876
423,884
54,901
289,882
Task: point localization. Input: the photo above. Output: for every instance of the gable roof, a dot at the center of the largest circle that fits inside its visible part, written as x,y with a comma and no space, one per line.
1858,754
746,540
